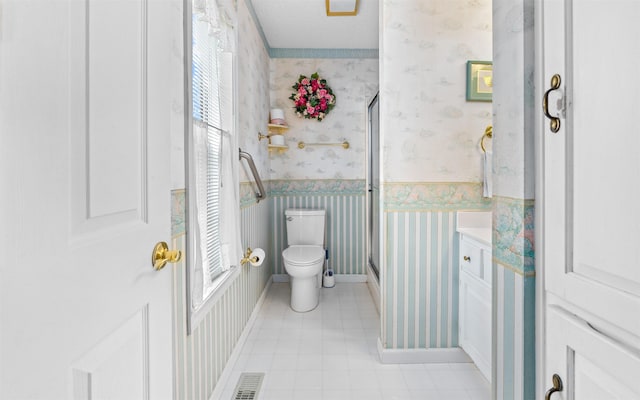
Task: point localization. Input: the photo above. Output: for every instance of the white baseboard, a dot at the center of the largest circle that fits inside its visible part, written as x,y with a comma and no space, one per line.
280,278
374,288
422,356
218,390
352,278
340,278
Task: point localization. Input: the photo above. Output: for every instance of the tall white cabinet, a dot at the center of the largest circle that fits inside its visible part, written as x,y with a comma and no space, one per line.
589,255
474,230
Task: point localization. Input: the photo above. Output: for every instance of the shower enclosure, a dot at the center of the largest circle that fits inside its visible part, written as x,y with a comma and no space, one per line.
373,178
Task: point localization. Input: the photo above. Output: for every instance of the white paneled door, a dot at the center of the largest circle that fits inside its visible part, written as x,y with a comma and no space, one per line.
86,106
591,256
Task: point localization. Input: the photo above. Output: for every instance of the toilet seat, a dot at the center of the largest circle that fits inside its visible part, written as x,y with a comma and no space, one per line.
303,255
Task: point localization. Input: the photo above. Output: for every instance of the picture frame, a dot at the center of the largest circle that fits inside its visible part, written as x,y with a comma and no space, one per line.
479,80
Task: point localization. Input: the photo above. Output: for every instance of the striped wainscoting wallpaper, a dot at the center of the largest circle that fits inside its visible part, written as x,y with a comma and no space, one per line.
514,294
420,281
344,202
201,357
514,334
420,275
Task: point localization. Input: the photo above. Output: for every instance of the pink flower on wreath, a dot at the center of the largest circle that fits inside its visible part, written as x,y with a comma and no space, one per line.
310,108
322,93
304,82
315,85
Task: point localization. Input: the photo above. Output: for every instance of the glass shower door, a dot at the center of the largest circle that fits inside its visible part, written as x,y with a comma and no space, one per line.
373,234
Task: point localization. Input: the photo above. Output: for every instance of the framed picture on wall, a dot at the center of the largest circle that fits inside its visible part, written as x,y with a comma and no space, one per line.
479,80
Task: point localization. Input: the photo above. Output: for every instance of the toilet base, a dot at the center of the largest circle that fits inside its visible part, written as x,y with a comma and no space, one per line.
305,293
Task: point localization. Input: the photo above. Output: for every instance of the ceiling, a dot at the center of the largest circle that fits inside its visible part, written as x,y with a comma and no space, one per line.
304,24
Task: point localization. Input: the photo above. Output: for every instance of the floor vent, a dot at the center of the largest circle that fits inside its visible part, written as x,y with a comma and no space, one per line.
248,386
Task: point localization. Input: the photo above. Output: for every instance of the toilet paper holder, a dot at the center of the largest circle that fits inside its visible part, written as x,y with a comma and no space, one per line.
253,257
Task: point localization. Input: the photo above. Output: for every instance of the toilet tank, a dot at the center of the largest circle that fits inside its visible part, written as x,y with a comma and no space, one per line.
305,226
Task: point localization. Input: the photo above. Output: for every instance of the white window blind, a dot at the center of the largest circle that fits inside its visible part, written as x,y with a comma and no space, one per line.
207,111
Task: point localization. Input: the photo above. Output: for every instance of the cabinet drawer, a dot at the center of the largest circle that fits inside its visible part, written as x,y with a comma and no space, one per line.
471,259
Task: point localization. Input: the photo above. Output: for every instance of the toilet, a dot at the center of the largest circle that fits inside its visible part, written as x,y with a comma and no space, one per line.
304,256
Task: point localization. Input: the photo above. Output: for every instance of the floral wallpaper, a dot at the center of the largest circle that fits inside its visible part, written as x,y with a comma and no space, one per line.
354,82
430,132
253,93
442,196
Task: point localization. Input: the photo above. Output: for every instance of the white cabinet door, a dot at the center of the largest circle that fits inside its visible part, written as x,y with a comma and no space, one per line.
86,107
592,366
475,304
591,256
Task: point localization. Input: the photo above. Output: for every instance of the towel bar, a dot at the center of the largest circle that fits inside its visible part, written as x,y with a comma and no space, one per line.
344,145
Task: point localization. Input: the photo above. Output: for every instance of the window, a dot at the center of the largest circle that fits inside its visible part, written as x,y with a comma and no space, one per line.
207,135
211,234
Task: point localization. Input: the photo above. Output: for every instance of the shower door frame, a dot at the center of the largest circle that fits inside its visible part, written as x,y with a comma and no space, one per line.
369,183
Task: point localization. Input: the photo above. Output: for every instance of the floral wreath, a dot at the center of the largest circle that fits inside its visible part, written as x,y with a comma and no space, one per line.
312,97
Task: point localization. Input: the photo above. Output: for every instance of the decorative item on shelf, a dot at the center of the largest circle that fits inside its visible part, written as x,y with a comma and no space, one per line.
277,117
277,140
313,98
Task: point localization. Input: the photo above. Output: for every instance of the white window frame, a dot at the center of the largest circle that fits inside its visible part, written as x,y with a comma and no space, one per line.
217,287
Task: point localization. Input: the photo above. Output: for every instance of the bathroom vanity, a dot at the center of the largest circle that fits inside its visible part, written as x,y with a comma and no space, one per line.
474,233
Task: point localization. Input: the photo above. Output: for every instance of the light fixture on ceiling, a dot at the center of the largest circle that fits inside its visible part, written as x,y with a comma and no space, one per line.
341,7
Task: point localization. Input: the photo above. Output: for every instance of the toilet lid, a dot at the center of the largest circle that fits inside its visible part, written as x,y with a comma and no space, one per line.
303,255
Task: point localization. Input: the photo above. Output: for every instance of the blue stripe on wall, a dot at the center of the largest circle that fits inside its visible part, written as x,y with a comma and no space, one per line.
412,268
508,339
444,295
399,283
201,357
388,283
433,290
420,281
529,358
423,305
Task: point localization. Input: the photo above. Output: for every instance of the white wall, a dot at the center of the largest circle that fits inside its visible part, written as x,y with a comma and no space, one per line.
253,92
430,132
514,99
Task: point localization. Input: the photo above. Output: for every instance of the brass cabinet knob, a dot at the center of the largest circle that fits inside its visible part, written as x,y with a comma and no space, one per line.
467,258
557,387
162,255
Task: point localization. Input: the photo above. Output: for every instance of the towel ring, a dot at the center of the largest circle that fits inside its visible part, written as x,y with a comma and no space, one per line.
488,133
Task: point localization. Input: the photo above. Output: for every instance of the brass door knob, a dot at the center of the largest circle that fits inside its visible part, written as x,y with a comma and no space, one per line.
162,255
467,258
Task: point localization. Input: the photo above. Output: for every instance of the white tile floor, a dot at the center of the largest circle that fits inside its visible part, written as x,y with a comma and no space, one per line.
330,353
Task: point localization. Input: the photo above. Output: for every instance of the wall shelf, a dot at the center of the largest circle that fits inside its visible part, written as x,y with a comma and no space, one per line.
279,149
277,129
